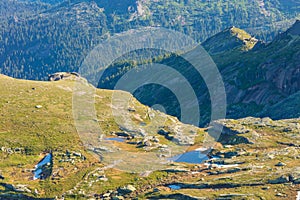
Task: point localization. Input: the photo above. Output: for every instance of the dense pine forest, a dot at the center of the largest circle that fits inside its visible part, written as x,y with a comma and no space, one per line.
42,37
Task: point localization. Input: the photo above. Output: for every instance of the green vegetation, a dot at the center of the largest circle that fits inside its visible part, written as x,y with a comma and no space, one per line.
36,130
37,39
37,117
250,71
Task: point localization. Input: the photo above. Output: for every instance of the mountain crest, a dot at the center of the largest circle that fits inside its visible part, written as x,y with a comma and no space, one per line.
230,39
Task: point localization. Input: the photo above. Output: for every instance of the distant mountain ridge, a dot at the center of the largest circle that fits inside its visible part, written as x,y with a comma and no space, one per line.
257,77
43,37
263,77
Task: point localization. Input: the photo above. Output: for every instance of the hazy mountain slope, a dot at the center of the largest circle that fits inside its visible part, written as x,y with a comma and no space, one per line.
263,76
255,75
52,2
287,108
13,10
276,64
57,38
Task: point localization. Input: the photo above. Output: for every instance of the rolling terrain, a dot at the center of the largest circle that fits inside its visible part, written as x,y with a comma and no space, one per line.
254,158
75,138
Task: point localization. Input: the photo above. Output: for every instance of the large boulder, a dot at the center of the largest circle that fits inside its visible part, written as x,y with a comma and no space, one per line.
280,180
127,189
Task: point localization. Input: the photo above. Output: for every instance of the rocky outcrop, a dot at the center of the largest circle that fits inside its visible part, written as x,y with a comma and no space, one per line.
253,88
16,188
63,75
127,189
280,180
243,130
18,150
229,39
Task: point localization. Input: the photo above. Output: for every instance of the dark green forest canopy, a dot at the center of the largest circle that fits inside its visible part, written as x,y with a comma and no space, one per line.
43,37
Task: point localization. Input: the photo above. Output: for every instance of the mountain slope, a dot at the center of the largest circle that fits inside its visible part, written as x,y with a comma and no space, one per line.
55,40
53,37
265,75
19,10
256,75
229,39
291,108
260,156
37,118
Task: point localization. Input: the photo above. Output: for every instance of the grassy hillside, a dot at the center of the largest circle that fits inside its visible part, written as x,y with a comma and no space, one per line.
229,40
257,157
36,117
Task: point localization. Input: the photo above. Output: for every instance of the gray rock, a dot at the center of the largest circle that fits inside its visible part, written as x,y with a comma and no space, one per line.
265,188
9,150
155,139
280,164
147,143
21,188
130,109
122,134
164,146
18,150
280,180
127,189
62,75
106,195
230,154
177,169
295,178
77,154
103,178
163,132
118,198
296,181
75,74
101,149
280,195
36,192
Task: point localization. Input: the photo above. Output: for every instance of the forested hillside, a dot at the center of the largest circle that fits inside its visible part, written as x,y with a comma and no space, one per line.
257,77
42,37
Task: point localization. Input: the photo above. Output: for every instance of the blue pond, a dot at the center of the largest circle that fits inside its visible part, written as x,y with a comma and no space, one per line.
193,157
117,139
174,187
43,168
